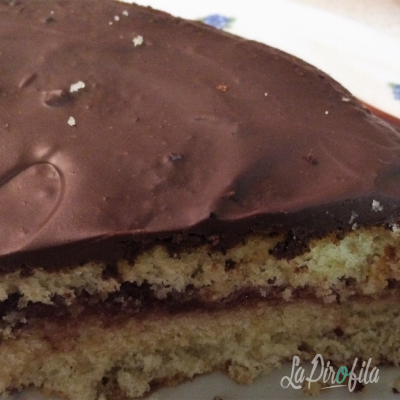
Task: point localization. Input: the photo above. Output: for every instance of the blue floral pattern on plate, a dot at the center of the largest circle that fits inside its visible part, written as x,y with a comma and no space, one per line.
218,21
396,90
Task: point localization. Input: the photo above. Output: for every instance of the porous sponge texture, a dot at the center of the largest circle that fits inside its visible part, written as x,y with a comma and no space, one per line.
348,308
363,262
86,360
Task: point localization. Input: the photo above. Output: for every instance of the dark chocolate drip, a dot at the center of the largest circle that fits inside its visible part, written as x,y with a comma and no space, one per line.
171,134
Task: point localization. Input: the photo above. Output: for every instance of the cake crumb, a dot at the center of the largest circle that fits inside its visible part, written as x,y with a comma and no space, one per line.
222,87
396,386
359,387
313,390
75,87
137,40
71,121
395,228
174,157
353,217
376,206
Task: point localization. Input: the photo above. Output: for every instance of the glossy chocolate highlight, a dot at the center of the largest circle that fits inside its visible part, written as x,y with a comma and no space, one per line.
157,149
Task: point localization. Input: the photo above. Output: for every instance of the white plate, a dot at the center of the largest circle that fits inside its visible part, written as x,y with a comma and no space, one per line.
364,60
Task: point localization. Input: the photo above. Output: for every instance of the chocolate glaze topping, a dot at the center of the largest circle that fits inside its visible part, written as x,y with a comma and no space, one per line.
173,128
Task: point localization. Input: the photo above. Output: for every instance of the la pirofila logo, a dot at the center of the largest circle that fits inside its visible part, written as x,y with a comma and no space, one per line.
325,373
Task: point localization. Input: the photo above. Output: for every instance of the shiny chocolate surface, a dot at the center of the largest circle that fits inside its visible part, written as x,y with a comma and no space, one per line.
120,124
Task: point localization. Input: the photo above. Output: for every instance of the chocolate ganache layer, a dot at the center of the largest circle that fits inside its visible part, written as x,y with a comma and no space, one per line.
121,125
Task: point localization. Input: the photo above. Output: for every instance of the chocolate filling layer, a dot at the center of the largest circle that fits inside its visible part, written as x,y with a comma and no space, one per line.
133,300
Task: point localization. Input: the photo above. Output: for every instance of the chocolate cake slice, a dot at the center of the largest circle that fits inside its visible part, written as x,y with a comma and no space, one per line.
176,200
